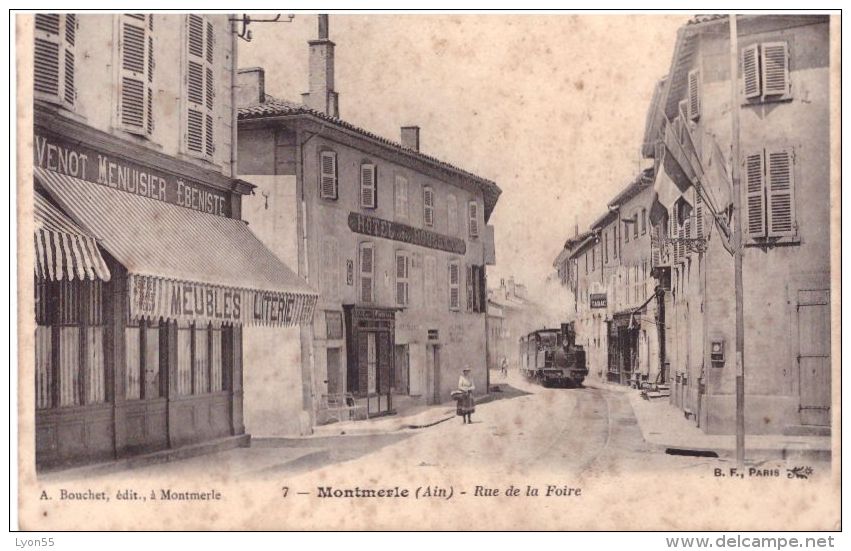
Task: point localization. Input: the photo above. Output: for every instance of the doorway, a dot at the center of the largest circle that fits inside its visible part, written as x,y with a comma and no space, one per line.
332,371
402,370
814,356
433,373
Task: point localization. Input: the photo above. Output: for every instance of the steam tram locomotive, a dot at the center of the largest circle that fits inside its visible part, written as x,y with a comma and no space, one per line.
551,357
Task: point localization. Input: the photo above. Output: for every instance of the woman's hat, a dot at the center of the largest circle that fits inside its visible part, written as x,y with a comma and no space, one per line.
467,368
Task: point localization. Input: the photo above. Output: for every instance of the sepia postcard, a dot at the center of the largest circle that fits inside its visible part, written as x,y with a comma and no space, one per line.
428,271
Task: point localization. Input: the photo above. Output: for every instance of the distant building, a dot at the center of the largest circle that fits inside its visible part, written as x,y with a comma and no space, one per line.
396,240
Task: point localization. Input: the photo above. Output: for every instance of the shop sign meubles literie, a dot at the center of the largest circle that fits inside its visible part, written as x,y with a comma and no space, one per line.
188,302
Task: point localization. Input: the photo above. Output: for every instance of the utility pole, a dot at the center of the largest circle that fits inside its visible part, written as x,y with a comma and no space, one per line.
737,243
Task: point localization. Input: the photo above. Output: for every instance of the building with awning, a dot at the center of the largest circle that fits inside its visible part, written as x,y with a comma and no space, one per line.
145,273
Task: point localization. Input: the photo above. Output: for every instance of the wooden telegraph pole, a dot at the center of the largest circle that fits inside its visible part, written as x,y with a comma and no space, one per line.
737,243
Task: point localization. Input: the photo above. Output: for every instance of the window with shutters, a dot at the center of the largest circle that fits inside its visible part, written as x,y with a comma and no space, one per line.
135,110
330,269
770,194
54,64
694,95
403,268
699,215
428,206
367,272
605,246
473,219
454,285
368,186
765,72
69,344
200,86
452,214
401,194
643,221
328,175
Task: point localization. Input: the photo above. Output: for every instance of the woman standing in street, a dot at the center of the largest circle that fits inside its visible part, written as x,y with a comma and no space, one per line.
466,402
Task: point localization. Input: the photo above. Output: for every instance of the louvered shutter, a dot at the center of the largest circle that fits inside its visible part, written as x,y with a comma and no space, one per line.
200,86
402,270
469,288
755,190
775,69
401,193
328,175
135,97
688,228
367,269
780,193
693,95
751,71
473,211
698,209
367,186
54,66
428,206
454,286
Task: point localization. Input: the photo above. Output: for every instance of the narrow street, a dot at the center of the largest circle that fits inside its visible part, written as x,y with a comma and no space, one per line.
572,431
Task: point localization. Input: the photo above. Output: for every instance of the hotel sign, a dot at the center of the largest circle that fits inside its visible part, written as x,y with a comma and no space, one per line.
377,227
598,300
83,162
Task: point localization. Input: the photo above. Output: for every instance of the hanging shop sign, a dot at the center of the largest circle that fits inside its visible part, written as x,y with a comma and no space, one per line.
377,227
154,298
598,300
86,163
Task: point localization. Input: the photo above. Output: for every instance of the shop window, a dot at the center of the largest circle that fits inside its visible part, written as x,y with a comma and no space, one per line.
401,193
70,356
199,86
199,359
136,73
452,215
328,175
428,206
368,186
143,360
54,64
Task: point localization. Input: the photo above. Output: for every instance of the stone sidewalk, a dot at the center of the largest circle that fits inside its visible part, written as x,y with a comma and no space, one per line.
664,426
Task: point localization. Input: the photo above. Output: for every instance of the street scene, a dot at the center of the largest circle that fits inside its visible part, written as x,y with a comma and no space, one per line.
576,253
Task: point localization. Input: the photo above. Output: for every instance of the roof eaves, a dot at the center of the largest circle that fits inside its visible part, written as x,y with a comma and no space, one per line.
274,107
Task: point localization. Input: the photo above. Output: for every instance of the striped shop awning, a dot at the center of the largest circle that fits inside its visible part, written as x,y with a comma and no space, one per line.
64,250
182,264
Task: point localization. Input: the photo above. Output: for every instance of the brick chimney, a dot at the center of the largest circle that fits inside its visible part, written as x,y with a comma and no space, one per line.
411,137
251,86
321,95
